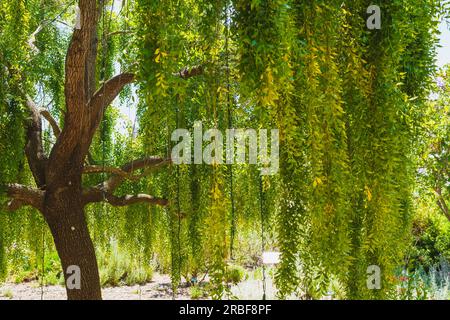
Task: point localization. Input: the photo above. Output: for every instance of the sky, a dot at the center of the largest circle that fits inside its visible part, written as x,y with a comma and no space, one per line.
443,56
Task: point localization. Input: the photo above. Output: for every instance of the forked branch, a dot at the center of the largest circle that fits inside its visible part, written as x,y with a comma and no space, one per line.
145,163
104,191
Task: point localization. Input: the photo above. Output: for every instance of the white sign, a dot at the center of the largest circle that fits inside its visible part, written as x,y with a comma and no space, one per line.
271,257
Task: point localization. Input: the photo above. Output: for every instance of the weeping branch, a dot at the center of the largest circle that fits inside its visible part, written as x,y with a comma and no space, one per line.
32,38
104,96
110,90
97,105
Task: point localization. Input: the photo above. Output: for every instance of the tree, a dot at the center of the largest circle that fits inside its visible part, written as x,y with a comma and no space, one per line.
59,194
435,155
344,98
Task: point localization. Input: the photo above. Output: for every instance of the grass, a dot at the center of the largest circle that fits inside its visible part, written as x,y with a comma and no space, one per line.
50,273
118,267
7,294
197,292
235,274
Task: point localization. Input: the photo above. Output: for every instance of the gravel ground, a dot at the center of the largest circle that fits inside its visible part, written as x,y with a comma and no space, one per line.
158,289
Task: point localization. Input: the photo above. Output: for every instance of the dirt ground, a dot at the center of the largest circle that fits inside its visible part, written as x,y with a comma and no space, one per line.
158,289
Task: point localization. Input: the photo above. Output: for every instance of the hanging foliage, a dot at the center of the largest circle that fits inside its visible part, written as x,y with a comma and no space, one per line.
347,102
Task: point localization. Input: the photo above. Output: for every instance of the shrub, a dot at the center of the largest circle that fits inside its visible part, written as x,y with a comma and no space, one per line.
431,243
234,274
118,267
197,292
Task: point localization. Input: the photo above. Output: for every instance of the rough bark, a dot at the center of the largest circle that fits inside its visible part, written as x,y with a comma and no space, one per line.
63,208
24,196
64,213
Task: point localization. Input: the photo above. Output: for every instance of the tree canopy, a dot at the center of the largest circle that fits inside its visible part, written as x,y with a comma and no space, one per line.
349,104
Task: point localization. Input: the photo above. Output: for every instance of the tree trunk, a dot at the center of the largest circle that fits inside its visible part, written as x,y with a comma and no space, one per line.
64,213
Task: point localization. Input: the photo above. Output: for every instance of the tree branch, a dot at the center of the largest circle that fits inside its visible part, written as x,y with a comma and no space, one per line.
22,196
32,38
134,199
79,81
104,96
108,92
97,196
55,127
90,169
99,192
119,32
14,205
34,149
441,203
79,59
149,163
193,72
101,100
